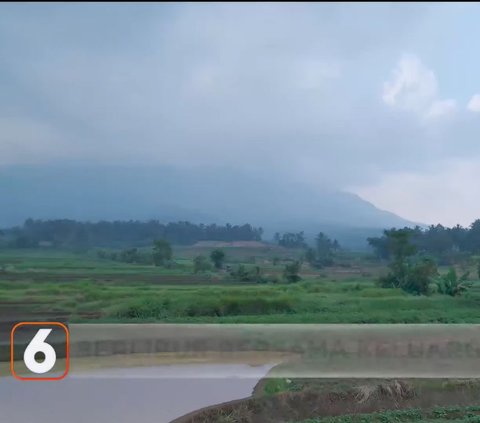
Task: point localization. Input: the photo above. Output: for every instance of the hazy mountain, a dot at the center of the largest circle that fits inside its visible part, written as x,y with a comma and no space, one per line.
218,195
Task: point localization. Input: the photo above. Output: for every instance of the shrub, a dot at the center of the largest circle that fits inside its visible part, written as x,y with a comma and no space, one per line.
161,308
129,255
218,258
451,284
290,273
162,252
141,309
242,274
201,264
414,278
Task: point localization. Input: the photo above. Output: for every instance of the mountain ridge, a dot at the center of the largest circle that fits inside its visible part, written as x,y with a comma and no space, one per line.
201,195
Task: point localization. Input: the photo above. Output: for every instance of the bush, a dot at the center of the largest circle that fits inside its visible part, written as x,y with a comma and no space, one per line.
238,306
290,273
205,306
412,278
201,264
218,258
233,306
451,284
130,255
242,274
162,252
142,309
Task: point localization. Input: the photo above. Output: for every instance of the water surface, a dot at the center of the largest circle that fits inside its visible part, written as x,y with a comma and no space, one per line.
130,395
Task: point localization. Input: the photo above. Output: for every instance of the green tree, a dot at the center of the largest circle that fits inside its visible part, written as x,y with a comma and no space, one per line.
129,256
420,276
162,252
310,256
323,253
379,246
394,240
291,240
325,248
291,272
413,276
201,264
218,258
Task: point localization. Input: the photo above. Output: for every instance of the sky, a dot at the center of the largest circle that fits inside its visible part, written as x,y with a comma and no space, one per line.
382,100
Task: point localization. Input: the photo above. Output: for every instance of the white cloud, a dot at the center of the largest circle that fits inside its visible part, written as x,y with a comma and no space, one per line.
474,103
441,108
413,87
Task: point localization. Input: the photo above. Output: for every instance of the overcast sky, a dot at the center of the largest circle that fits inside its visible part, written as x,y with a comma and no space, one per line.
378,99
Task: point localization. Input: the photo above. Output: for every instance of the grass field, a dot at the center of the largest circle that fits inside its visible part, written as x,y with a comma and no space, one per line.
85,288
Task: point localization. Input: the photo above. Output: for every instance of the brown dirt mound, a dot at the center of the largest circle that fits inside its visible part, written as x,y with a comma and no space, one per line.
298,406
396,390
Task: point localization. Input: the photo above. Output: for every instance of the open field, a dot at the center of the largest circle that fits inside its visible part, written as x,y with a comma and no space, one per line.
84,288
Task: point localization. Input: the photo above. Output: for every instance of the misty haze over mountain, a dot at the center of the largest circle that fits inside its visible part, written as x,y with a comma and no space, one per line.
199,195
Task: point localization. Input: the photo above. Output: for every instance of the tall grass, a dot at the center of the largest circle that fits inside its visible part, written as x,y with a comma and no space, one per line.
451,414
214,306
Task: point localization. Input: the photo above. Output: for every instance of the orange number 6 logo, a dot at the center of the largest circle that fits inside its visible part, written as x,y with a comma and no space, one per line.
38,344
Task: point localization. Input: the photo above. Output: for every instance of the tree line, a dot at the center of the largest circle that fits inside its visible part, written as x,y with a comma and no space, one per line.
320,255
437,240
72,233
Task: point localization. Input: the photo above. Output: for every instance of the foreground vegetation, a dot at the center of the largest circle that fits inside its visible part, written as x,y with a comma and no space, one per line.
439,414
86,288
